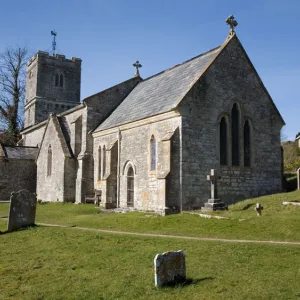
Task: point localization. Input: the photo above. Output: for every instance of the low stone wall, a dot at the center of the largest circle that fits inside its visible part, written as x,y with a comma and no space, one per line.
15,175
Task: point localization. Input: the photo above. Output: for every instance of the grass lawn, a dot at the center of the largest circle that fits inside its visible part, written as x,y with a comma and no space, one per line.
64,263
278,222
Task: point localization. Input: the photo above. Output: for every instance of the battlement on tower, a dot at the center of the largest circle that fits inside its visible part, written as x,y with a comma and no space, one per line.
43,54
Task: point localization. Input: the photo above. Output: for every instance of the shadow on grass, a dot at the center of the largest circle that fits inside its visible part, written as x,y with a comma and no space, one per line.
186,282
22,228
247,206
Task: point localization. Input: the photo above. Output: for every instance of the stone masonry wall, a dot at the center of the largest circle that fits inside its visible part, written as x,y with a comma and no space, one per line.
51,188
16,174
34,138
98,107
230,79
149,186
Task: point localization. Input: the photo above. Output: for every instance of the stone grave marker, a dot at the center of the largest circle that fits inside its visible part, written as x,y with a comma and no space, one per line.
213,203
298,176
169,268
22,210
258,208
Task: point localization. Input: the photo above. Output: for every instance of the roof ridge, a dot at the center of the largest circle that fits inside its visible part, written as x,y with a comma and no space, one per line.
184,62
109,88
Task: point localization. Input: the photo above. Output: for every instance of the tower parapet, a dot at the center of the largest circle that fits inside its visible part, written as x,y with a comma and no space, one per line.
52,86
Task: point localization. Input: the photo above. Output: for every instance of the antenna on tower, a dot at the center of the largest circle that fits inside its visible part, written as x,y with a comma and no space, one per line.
53,42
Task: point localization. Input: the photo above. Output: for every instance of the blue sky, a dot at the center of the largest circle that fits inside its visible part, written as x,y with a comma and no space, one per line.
111,35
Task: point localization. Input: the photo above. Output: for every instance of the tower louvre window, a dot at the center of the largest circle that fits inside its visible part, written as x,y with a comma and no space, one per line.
56,79
61,80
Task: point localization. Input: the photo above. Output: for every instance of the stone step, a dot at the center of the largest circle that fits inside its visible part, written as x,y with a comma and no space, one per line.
212,205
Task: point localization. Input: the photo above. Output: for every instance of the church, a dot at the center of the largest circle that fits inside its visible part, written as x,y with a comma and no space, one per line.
149,144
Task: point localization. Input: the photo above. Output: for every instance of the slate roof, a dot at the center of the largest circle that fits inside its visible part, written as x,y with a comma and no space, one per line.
20,152
159,93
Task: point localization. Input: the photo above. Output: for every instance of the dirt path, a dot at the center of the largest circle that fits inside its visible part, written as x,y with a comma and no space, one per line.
171,236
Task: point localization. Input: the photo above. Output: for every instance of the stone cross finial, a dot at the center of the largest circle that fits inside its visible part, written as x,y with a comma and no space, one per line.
137,65
232,23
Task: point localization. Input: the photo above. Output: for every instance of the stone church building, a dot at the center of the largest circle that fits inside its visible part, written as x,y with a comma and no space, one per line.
150,143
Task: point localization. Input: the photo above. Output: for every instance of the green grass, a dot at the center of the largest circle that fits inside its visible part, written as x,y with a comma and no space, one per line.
58,263
278,222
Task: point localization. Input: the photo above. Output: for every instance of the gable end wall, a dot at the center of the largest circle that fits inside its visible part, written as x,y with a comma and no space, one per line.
228,80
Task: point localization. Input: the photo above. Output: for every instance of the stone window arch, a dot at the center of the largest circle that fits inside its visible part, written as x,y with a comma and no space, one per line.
235,135
223,141
49,161
99,163
130,187
247,144
152,153
104,160
58,78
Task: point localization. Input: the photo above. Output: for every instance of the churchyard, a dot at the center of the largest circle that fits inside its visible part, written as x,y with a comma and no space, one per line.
80,261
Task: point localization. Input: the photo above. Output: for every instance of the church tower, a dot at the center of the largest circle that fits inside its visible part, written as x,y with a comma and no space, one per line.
52,86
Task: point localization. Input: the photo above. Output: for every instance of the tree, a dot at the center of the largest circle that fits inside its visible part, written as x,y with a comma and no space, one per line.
12,91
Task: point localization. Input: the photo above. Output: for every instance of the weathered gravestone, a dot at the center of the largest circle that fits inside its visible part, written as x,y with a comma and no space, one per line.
298,176
169,268
22,210
258,208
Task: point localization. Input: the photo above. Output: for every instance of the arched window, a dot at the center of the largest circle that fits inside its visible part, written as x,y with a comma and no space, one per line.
247,144
99,163
56,78
223,142
104,160
49,161
130,187
29,116
153,153
235,125
61,80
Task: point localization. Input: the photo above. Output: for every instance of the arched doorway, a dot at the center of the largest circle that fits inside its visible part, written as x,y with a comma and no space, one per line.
130,187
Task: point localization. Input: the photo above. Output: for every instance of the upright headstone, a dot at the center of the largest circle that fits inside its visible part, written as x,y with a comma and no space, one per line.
169,268
258,208
298,177
213,203
22,210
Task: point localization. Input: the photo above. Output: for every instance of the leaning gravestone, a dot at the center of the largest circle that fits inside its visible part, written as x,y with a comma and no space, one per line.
22,210
169,268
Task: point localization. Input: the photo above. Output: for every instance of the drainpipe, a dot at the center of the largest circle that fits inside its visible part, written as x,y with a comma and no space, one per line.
118,175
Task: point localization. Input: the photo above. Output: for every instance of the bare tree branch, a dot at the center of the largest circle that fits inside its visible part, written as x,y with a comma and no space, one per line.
12,89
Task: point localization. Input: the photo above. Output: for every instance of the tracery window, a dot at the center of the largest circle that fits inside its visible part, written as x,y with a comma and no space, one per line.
153,153
223,142
235,124
247,144
49,161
